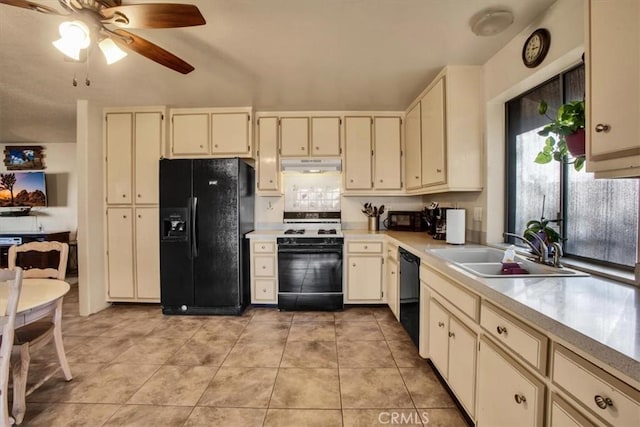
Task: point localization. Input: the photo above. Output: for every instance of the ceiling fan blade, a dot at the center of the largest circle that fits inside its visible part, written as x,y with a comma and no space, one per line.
31,6
152,51
154,15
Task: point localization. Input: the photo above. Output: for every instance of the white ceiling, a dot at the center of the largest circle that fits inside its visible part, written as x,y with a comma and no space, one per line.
269,54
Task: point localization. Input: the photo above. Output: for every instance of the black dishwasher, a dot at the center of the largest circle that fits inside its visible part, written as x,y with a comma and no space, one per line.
410,294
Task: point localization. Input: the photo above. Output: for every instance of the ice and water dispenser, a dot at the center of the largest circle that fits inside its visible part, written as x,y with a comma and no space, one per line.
175,224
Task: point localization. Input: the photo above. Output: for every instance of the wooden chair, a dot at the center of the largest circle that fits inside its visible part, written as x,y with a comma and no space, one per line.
36,335
7,323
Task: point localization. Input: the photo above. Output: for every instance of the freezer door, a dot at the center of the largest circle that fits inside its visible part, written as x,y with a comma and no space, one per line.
217,266
176,229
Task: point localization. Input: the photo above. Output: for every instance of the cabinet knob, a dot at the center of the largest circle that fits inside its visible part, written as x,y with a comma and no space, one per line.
393,272
381,180
602,128
264,267
501,330
317,148
441,324
351,180
270,181
519,398
264,290
262,247
215,145
139,195
353,265
439,170
302,148
417,177
452,335
366,247
602,402
124,216
139,216
201,146
124,195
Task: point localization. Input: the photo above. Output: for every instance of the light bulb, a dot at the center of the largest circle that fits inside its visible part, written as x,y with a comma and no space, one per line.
111,51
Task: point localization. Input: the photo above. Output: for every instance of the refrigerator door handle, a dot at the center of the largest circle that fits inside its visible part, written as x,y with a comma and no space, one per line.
194,222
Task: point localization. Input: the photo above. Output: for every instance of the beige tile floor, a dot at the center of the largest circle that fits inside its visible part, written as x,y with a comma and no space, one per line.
132,366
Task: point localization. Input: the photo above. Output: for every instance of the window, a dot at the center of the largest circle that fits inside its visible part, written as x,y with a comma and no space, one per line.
598,218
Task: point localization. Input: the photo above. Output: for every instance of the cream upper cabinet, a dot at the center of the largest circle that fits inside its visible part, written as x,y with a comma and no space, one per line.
508,395
357,168
613,89
413,149
433,135
190,133
325,136
133,146
387,153
211,132
119,143
230,134
294,136
148,150
268,168
450,132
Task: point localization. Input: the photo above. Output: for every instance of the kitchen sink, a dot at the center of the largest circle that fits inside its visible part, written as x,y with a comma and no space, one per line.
471,255
487,262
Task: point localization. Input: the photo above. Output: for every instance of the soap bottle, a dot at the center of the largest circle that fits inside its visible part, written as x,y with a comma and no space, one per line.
509,255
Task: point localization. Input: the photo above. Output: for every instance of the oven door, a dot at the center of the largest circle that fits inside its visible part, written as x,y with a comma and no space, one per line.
310,276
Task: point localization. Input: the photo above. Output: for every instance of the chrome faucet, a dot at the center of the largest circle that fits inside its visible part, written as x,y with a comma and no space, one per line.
542,252
557,253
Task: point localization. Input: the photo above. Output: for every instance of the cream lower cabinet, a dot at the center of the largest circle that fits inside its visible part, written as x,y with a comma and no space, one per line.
508,395
453,351
393,282
264,272
133,271
364,272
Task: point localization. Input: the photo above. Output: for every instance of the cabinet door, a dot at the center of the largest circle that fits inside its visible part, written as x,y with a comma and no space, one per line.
268,168
433,136
392,287
387,153
439,337
413,150
462,362
294,136
614,66
119,146
325,136
148,149
230,134
190,134
120,252
147,253
364,278
507,394
357,147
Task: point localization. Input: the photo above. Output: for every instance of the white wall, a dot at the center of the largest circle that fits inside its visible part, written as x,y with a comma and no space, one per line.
62,182
91,269
505,77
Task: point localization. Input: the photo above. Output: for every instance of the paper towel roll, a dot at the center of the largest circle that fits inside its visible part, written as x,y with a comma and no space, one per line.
456,226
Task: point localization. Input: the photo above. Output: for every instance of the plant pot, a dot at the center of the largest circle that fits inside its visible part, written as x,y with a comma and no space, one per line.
575,143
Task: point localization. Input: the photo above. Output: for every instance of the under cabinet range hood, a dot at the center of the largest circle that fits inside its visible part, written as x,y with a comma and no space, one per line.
311,165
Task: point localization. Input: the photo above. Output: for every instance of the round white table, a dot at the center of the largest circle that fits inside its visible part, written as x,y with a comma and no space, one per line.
39,298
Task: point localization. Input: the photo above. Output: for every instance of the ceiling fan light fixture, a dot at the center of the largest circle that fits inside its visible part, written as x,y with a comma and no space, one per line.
491,22
111,51
74,36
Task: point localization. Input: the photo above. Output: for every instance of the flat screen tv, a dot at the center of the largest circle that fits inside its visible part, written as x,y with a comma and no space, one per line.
22,190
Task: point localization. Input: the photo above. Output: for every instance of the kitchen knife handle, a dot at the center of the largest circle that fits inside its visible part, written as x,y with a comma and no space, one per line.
194,219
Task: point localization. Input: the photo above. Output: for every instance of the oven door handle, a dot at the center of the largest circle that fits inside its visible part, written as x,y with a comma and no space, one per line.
309,249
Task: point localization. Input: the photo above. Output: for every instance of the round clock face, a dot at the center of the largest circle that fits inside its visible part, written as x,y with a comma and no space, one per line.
536,47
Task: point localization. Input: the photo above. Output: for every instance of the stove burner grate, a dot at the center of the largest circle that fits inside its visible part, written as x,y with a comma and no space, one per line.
294,231
329,231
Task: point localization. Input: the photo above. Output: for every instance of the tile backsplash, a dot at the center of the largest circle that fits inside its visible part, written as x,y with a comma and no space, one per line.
312,192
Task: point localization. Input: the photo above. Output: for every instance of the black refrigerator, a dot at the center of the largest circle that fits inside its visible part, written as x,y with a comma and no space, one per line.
206,209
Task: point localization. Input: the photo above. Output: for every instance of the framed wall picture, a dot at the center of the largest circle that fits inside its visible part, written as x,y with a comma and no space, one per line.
23,157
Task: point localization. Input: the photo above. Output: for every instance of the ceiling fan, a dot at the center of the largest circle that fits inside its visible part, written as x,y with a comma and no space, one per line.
95,16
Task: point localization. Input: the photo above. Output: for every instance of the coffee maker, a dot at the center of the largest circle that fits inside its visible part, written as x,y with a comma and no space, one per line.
436,219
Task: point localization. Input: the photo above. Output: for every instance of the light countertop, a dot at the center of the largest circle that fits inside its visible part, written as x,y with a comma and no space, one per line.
598,316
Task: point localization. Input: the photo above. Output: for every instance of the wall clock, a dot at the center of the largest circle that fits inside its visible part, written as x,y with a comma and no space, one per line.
536,47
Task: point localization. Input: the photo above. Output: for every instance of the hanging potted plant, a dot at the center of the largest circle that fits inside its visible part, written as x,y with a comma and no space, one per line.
569,139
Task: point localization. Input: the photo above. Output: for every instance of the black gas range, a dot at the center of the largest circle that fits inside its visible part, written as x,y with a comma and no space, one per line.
310,262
